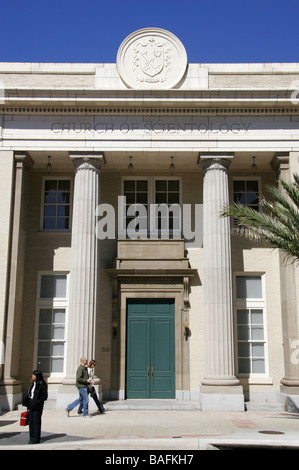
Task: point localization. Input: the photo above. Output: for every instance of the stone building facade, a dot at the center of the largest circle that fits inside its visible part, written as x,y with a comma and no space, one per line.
113,177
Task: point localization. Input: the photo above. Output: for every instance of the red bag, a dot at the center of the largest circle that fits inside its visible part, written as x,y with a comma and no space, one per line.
24,418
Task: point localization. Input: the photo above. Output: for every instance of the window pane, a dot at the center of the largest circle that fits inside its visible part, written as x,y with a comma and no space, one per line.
161,198
44,364
173,198
44,348
44,332
57,365
240,198
243,349
257,333
258,350
63,223
59,316
257,317
243,317
50,185
53,286
50,197
239,186
58,332
45,315
63,197
249,287
174,185
58,349
64,185
129,185
63,211
50,211
252,186
244,366
141,198
243,332
252,198
161,185
258,366
141,185
49,223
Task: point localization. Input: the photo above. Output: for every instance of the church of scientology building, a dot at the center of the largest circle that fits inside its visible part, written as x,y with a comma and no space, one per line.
113,178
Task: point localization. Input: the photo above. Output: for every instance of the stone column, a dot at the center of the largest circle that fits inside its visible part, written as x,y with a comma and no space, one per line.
219,341
84,262
11,382
289,299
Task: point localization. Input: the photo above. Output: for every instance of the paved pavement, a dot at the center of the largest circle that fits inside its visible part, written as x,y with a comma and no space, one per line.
155,429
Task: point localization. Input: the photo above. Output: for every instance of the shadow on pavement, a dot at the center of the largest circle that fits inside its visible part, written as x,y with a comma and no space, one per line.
4,435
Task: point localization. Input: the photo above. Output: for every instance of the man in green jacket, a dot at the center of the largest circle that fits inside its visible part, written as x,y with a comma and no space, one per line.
82,382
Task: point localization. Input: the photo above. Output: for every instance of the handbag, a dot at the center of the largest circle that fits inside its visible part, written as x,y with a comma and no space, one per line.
24,420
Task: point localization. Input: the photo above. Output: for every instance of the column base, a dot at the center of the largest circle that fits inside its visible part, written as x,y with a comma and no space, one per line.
222,398
289,389
289,383
10,394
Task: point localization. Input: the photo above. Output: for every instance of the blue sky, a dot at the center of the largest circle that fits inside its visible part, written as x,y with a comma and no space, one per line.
92,30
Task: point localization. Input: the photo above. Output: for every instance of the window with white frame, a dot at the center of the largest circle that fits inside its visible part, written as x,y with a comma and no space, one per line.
167,193
250,324
136,192
160,200
52,310
56,204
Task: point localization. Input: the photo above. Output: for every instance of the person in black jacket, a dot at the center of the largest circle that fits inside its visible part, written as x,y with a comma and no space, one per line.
37,395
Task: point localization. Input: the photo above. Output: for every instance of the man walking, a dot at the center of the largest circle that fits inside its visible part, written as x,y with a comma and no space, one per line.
82,382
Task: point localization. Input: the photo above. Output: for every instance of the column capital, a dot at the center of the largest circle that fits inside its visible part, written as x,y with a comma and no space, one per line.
88,160
279,162
23,160
215,161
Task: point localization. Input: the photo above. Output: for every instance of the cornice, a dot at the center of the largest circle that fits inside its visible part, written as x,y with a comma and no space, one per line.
174,98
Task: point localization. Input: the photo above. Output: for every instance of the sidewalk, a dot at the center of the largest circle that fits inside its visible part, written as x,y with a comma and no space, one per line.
154,429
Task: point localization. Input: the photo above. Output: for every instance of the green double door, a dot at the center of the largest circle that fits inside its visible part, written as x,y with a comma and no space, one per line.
150,362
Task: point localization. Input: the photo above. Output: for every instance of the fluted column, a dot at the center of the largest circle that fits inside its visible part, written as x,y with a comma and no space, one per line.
281,164
218,311
84,261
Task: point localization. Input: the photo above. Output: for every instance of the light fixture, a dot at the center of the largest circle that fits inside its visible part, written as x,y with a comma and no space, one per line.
49,166
130,166
187,331
114,326
172,167
253,166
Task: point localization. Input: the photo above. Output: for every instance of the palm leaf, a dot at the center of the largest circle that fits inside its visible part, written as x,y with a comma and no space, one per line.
277,223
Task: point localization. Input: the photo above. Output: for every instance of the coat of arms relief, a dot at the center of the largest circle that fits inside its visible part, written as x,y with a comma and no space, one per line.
152,60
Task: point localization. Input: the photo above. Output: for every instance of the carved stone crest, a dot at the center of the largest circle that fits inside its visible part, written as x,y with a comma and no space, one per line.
151,58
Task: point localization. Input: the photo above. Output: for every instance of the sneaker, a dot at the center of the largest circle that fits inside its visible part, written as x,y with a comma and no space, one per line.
87,416
67,412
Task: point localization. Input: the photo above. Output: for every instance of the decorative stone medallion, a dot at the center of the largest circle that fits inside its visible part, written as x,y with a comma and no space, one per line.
151,58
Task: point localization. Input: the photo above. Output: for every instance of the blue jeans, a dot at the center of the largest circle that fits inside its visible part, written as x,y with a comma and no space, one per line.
82,400
93,394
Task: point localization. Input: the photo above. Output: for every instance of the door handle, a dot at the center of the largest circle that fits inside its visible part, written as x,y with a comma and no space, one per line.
152,371
147,371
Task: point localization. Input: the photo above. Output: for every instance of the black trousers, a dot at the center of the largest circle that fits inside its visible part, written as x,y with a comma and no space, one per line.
35,424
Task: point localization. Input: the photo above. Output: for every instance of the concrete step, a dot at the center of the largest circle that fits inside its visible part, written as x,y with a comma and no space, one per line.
152,405
264,406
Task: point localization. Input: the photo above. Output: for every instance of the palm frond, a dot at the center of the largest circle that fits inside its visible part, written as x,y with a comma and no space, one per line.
277,223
